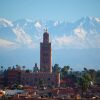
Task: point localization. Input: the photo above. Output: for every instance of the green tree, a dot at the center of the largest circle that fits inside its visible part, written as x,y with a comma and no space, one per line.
92,73
97,78
85,69
35,69
42,83
71,70
84,82
56,68
1,68
64,71
28,71
23,67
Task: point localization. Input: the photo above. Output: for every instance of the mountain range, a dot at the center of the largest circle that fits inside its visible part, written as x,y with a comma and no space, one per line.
22,37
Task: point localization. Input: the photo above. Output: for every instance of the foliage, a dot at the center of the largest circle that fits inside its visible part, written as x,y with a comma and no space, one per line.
35,69
56,68
97,77
64,71
27,71
84,81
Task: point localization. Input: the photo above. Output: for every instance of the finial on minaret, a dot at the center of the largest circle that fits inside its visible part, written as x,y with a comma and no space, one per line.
45,36
46,29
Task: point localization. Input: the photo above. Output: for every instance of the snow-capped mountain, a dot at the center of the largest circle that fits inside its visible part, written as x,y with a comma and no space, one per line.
76,42
70,34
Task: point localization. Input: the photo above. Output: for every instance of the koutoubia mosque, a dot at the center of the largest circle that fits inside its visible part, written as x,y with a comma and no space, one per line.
45,73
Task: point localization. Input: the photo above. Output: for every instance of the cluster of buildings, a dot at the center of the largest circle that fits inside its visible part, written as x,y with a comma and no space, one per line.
41,83
43,76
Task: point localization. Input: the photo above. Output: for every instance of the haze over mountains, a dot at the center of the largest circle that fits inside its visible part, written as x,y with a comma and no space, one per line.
78,43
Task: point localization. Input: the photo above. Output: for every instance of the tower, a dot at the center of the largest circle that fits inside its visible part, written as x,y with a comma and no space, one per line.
45,54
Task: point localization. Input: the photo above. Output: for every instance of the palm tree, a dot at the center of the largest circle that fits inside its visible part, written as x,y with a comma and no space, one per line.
42,83
23,67
85,82
64,71
97,77
92,73
18,67
1,68
56,68
35,69
71,70
85,69
84,85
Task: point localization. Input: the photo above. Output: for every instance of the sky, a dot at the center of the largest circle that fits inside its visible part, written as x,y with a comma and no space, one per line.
68,10
49,9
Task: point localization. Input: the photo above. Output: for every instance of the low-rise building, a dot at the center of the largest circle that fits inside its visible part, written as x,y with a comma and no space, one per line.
1,79
40,79
13,76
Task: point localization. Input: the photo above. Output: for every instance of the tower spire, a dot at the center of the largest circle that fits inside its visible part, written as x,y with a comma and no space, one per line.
46,36
45,29
45,53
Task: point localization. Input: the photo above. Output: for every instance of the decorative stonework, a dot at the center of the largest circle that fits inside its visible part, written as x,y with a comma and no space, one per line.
45,54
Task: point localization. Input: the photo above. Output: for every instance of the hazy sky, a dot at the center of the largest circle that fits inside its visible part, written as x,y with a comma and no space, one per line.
49,9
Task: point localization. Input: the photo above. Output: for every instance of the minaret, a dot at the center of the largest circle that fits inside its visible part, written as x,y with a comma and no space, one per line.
45,54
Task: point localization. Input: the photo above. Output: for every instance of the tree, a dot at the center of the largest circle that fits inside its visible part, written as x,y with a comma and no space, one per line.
18,67
35,69
23,67
1,68
84,82
85,69
97,78
56,68
64,71
28,71
92,73
71,70
42,83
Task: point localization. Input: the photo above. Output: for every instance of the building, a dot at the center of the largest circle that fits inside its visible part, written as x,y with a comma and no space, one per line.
44,76
45,54
10,76
1,79
13,76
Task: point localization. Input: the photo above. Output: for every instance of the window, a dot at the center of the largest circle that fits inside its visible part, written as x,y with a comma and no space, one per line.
45,54
35,79
46,61
49,79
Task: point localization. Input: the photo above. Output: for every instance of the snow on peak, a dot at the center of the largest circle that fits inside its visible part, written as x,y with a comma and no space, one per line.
23,37
80,33
38,24
97,19
28,20
5,22
56,23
